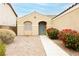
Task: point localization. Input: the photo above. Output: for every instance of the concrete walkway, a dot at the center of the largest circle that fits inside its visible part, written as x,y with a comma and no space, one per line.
26,46
51,48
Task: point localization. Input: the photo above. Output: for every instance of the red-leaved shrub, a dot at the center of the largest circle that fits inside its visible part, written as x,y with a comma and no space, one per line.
70,38
62,34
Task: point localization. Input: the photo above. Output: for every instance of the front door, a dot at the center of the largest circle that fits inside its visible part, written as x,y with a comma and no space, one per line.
42,28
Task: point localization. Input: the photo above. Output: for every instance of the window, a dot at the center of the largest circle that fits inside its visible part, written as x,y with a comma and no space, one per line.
28,25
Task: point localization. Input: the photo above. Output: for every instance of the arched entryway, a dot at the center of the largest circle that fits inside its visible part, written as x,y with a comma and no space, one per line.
42,28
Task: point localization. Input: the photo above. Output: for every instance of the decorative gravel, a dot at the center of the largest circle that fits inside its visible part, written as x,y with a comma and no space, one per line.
69,51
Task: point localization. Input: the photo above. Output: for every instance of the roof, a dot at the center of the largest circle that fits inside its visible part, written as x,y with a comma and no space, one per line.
35,12
43,14
66,10
12,8
51,16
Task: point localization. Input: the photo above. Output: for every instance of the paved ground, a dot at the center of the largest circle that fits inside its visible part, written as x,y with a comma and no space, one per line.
26,46
34,46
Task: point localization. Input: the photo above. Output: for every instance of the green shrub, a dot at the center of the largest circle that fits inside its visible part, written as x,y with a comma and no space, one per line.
7,36
2,49
72,42
52,33
70,38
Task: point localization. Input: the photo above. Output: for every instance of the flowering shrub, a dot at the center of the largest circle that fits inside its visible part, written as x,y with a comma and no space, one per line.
70,38
52,33
7,36
62,34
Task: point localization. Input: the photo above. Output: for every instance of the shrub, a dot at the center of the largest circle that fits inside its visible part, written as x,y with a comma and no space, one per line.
70,38
72,42
2,49
7,36
52,33
62,34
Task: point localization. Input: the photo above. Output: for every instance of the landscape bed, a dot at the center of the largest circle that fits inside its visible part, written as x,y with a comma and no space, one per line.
69,51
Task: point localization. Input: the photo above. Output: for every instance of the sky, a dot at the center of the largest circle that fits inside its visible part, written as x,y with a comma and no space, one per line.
22,9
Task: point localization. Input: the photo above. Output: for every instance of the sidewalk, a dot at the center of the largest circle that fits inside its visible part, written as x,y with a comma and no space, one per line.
51,48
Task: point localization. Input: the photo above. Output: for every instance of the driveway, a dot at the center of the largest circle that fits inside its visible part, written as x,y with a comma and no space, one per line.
26,46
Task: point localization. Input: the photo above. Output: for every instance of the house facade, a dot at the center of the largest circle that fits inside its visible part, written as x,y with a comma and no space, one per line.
33,24
36,23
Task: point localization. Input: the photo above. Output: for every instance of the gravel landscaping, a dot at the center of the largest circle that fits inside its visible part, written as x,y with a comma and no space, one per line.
69,51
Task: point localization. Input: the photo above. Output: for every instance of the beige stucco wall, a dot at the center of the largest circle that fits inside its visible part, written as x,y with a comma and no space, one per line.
7,16
68,20
35,22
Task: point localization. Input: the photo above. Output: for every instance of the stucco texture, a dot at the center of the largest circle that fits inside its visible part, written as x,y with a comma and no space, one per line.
68,20
34,18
